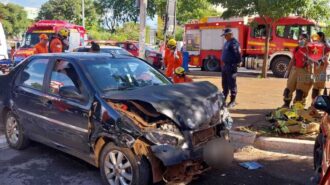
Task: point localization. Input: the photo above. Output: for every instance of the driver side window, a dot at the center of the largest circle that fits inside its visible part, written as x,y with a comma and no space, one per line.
64,75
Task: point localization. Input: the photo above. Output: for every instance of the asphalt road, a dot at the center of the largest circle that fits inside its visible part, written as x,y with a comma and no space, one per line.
39,164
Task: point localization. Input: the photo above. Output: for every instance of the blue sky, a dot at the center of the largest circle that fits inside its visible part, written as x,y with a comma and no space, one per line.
27,3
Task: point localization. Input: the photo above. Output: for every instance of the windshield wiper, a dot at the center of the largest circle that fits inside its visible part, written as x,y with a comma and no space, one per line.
119,88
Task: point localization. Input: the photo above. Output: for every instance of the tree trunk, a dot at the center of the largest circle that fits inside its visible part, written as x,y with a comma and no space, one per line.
265,62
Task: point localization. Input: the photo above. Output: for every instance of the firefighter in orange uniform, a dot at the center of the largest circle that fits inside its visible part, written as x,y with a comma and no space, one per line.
42,47
58,43
172,59
180,76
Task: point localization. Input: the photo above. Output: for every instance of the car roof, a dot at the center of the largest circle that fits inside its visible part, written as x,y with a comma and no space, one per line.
83,55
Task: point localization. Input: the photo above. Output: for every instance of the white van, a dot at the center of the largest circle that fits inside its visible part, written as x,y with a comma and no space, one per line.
3,44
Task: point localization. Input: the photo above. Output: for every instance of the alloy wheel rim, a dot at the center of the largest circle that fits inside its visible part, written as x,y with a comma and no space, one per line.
212,65
281,67
118,169
12,130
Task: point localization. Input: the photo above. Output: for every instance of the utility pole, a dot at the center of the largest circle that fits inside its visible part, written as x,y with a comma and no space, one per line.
142,38
83,12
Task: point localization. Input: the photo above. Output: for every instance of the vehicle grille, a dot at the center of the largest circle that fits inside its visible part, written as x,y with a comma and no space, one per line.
203,136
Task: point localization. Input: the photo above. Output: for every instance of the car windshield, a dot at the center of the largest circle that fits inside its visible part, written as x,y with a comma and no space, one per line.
120,74
32,39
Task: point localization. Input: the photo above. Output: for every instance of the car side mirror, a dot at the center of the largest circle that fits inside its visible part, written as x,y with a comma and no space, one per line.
70,92
322,103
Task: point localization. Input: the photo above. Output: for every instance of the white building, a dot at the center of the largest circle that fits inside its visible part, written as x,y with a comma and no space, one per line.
31,12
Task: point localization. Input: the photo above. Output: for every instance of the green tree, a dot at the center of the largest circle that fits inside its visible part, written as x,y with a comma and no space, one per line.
117,12
272,11
71,11
187,10
14,19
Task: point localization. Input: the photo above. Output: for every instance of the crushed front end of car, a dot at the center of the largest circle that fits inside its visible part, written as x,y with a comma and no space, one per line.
184,128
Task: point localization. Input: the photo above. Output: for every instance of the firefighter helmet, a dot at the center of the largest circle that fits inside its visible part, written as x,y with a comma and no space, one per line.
63,32
171,43
43,36
179,71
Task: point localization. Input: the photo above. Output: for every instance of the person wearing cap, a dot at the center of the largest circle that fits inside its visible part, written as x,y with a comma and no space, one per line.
59,42
41,47
172,59
180,76
231,57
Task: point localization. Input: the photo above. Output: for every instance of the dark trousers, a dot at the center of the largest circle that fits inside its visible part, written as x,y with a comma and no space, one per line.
229,74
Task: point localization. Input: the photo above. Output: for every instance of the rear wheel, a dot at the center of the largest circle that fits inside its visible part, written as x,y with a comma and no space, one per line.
211,64
119,166
279,66
14,132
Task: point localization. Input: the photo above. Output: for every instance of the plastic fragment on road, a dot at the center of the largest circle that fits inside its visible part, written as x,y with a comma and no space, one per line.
251,165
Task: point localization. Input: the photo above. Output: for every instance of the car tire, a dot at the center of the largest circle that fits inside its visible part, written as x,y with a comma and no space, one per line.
14,132
318,152
279,66
211,64
131,169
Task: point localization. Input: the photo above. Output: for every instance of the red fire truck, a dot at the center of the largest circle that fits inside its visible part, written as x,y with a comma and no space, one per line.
49,27
204,43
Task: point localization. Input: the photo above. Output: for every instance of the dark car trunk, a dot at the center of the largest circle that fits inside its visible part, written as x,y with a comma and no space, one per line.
189,105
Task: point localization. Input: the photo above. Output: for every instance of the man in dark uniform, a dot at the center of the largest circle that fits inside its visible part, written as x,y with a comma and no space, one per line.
231,57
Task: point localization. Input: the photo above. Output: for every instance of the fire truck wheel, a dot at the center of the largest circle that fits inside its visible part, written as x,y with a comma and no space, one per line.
211,65
279,66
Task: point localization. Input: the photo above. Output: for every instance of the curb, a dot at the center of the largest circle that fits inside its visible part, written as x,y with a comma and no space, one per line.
282,145
293,146
3,142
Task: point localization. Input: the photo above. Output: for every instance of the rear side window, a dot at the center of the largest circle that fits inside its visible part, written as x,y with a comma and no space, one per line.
33,74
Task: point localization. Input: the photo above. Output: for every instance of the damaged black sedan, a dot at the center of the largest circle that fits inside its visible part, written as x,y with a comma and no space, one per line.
117,113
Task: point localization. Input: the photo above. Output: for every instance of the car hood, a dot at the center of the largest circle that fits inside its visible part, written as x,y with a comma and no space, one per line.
189,105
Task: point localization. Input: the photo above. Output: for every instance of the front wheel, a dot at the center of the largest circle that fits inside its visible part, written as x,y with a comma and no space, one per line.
211,64
14,132
120,166
279,66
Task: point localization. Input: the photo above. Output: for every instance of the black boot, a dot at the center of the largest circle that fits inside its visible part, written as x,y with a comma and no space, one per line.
315,93
232,102
286,104
287,99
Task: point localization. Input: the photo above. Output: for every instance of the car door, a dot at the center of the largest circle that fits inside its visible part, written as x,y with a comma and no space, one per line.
28,94
68,118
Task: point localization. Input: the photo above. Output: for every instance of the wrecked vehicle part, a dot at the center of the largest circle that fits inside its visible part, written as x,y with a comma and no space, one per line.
189,105
184,173
141,148
175,151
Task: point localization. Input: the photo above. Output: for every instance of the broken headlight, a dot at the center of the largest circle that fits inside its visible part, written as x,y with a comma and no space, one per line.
164,138
226,118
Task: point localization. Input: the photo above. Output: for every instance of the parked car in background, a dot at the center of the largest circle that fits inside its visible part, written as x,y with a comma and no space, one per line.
105,49
5,62
119,114
151,55
322,143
